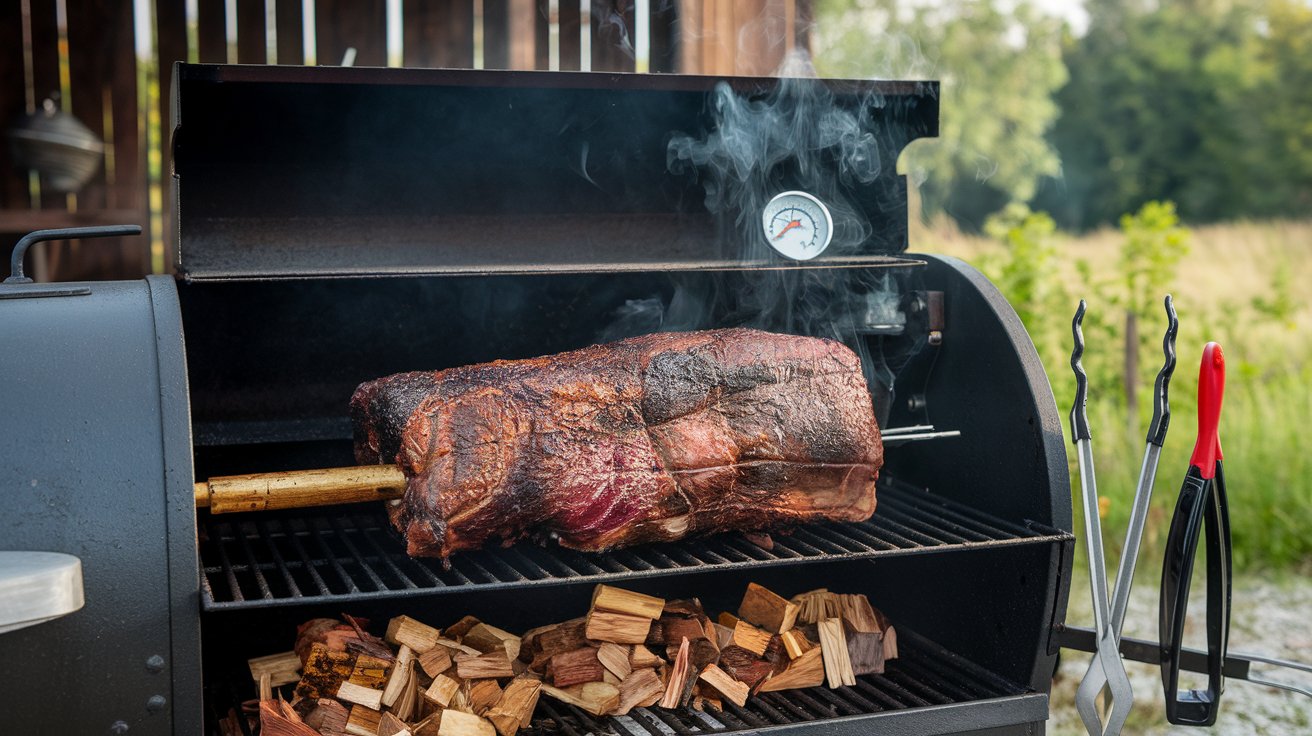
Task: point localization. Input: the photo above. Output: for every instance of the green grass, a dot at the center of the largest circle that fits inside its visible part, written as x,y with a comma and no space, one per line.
1240,285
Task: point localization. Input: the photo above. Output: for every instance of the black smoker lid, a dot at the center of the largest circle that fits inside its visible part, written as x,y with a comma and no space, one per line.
308,172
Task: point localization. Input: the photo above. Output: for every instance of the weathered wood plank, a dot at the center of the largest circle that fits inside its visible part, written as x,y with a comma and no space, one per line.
358,24
170,47
541,34
438,33
612,35
211,32
496,34
252,35
13,102
663,32
289,28
570,20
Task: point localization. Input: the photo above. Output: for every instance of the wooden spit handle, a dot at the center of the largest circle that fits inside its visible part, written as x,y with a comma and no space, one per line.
300,488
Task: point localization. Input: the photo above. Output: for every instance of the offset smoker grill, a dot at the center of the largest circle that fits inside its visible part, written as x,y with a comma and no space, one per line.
336,225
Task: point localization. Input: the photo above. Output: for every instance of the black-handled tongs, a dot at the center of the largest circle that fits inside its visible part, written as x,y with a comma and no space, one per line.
1202,503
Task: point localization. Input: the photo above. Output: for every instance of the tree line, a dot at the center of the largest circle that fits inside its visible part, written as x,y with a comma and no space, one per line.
1207,103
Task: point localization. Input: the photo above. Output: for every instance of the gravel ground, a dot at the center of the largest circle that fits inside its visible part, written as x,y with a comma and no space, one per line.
1272,616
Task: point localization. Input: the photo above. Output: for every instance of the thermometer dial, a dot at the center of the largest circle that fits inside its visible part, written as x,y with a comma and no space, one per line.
797,225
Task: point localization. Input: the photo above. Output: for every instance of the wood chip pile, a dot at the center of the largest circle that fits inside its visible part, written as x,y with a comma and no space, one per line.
630,650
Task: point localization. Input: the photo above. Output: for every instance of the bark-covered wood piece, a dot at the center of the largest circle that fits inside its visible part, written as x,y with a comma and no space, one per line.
324,671
744,666
575,668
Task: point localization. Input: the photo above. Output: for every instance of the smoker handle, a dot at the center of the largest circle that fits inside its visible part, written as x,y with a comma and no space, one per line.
300,488
16,275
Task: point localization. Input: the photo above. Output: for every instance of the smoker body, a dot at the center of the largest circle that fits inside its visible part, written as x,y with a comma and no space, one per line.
969,552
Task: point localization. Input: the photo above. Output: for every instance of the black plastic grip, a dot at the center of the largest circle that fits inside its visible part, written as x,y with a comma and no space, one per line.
1079,416
16,275
1161,402
1202,503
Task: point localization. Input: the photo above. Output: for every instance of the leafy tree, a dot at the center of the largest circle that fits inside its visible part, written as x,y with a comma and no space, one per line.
999,64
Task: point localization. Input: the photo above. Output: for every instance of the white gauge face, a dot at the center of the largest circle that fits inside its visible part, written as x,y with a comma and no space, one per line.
797,225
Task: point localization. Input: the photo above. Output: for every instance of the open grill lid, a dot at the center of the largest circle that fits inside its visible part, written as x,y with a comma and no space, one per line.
306,172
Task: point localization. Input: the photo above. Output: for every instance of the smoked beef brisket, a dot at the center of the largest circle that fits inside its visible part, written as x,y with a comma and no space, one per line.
651,438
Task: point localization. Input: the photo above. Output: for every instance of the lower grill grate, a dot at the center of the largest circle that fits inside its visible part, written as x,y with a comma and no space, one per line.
262,560
925,678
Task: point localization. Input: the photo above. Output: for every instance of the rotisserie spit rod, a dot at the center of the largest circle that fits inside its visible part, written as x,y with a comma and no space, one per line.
300,488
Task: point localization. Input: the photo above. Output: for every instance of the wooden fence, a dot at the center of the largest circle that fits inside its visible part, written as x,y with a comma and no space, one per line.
88,52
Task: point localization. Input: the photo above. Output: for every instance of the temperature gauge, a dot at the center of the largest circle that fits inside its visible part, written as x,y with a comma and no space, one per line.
797,225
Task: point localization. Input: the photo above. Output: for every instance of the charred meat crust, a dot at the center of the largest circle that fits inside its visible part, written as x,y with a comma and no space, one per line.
647,439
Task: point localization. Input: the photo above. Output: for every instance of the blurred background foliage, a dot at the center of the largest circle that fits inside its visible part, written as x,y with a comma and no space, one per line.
1159,147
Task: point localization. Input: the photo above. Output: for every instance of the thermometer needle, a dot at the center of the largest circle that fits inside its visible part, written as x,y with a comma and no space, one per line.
789,226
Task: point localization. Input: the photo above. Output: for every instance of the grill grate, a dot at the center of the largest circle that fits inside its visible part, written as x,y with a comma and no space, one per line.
262,560
926,678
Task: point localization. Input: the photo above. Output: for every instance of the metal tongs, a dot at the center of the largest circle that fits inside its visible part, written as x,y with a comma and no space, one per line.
1202,499
1096,678
1107,657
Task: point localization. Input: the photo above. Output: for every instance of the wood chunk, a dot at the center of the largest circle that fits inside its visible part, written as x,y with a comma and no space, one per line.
677,628
701,652
487,638
435,661
575,668
858,614
890,643
328,717
402,671
745,666
597,698
278,719
795,643
404,630
456,723
763,608
324,670
390,725
609,677
458,629
483,694
686,607
283,669
360,695
727,620
563,637
407,706
492,664
833,646
515,706
642,688
751,638
618,600
615,658
443,690
817,605
735,691
807,670
618,628
644,657
429,726
265,687
363,721
679,676
370,672
865,650
454,647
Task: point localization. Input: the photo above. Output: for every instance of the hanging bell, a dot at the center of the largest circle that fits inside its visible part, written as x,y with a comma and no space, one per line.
58,147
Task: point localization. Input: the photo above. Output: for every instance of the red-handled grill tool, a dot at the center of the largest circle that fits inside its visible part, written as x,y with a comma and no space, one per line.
1202,499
